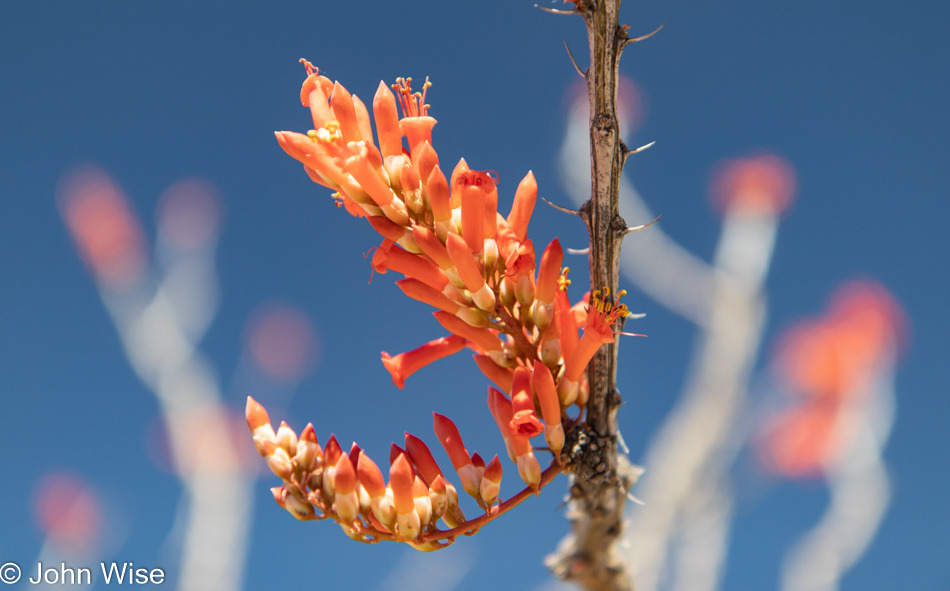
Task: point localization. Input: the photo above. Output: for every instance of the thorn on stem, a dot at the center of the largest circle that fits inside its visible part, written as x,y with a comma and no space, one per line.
647,36
627,152
564,209
640,227
583,73
556,11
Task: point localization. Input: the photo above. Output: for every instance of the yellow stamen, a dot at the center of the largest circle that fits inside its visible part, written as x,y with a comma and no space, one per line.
413,104
310,67
563,281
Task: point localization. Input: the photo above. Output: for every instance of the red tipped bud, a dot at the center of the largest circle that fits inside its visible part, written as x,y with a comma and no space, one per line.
308,450
293,504
530,470
491,482
437,495
370,477
421,502
451,440
418,452
259,424
355,453
278,460
287,439
401,479
256,414
478,461
346,501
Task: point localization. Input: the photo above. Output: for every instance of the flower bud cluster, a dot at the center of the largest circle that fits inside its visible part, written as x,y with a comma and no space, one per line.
321,483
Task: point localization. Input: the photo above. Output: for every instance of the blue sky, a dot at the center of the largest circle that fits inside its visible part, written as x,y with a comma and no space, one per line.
854,94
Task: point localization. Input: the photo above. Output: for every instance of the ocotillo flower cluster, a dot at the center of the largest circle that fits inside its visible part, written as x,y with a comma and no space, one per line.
478,269
829,364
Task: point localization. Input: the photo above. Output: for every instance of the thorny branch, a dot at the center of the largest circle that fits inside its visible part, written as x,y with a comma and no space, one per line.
600,476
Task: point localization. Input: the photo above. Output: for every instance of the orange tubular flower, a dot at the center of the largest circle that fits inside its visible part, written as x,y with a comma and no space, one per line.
387,121
362,119
405,364
304,149
418,290
346,501
418,131
418,452
567,324
550,349
387,228
519,268
424,161
501,410
432,247
468,269
341,103
451,440
439,197
422,504
525,198
491,482
362,170
416,124
315,93
400,482
479,202
483,338
500,376
388,256
542,311
420,456
505,237
597,332
371,480
528,467
543,384
524,421
460,168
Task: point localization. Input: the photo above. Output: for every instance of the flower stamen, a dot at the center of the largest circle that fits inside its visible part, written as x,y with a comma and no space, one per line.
413,104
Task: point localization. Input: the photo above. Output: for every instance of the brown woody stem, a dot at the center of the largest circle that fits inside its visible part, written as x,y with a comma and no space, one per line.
600,477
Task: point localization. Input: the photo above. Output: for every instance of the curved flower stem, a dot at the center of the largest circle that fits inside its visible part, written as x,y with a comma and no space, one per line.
467,528
473,525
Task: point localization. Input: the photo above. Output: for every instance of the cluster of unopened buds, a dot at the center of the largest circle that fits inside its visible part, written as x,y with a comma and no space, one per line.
477,268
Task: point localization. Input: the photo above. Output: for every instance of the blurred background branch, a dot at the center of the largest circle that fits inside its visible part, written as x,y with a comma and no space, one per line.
161,311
